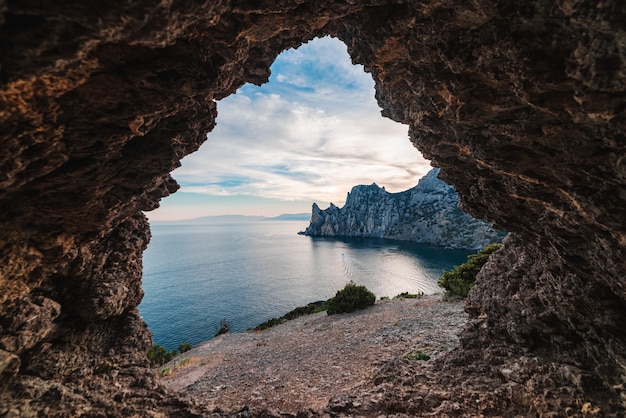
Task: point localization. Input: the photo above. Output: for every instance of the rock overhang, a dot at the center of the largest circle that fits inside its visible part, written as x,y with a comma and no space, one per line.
522,106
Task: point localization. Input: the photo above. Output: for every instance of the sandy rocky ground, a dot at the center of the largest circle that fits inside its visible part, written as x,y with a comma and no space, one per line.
303,364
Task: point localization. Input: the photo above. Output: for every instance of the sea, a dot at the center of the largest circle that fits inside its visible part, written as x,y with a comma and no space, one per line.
197,275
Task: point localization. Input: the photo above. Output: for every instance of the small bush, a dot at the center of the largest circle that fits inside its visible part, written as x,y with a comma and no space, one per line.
301,311
350,298
269,324
323,306
222,328
407,295
311,308
459,281
184,347
158,355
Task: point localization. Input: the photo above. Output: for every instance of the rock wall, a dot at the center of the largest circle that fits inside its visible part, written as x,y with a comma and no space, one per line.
521,104
427,214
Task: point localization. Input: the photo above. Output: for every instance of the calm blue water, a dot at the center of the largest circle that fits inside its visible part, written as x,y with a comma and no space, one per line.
197,274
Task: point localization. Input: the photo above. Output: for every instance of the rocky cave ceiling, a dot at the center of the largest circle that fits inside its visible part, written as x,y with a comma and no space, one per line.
522,105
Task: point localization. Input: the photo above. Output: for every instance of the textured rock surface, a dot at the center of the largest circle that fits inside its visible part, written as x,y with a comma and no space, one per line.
427,213
522,105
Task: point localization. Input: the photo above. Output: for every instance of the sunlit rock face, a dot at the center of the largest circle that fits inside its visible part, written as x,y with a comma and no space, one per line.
522,105
427,214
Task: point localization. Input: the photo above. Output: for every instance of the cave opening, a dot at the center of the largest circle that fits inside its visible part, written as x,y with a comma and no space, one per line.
318,128
310,133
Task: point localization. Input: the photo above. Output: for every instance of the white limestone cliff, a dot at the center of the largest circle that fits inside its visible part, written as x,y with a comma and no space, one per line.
427,213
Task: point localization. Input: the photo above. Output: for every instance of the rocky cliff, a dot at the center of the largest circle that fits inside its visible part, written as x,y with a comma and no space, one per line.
427,213
522,104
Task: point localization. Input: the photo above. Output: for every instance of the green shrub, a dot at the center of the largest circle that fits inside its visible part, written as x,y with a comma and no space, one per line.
350,298
270,323
322,306
158,355
459,281
184,347
308,309
223,327
406,295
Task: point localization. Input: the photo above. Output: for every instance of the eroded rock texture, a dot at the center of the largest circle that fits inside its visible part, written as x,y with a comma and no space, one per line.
522,104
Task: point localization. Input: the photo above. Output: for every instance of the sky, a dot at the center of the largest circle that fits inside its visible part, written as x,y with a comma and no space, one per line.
308,135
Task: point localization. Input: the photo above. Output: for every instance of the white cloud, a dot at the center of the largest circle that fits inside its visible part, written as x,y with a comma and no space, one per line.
312,133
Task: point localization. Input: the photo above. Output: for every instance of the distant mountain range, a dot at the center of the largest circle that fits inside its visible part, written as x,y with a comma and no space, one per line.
427,213
242,218
291,217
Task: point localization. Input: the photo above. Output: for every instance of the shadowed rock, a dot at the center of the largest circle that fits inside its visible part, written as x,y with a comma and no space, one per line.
521,104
